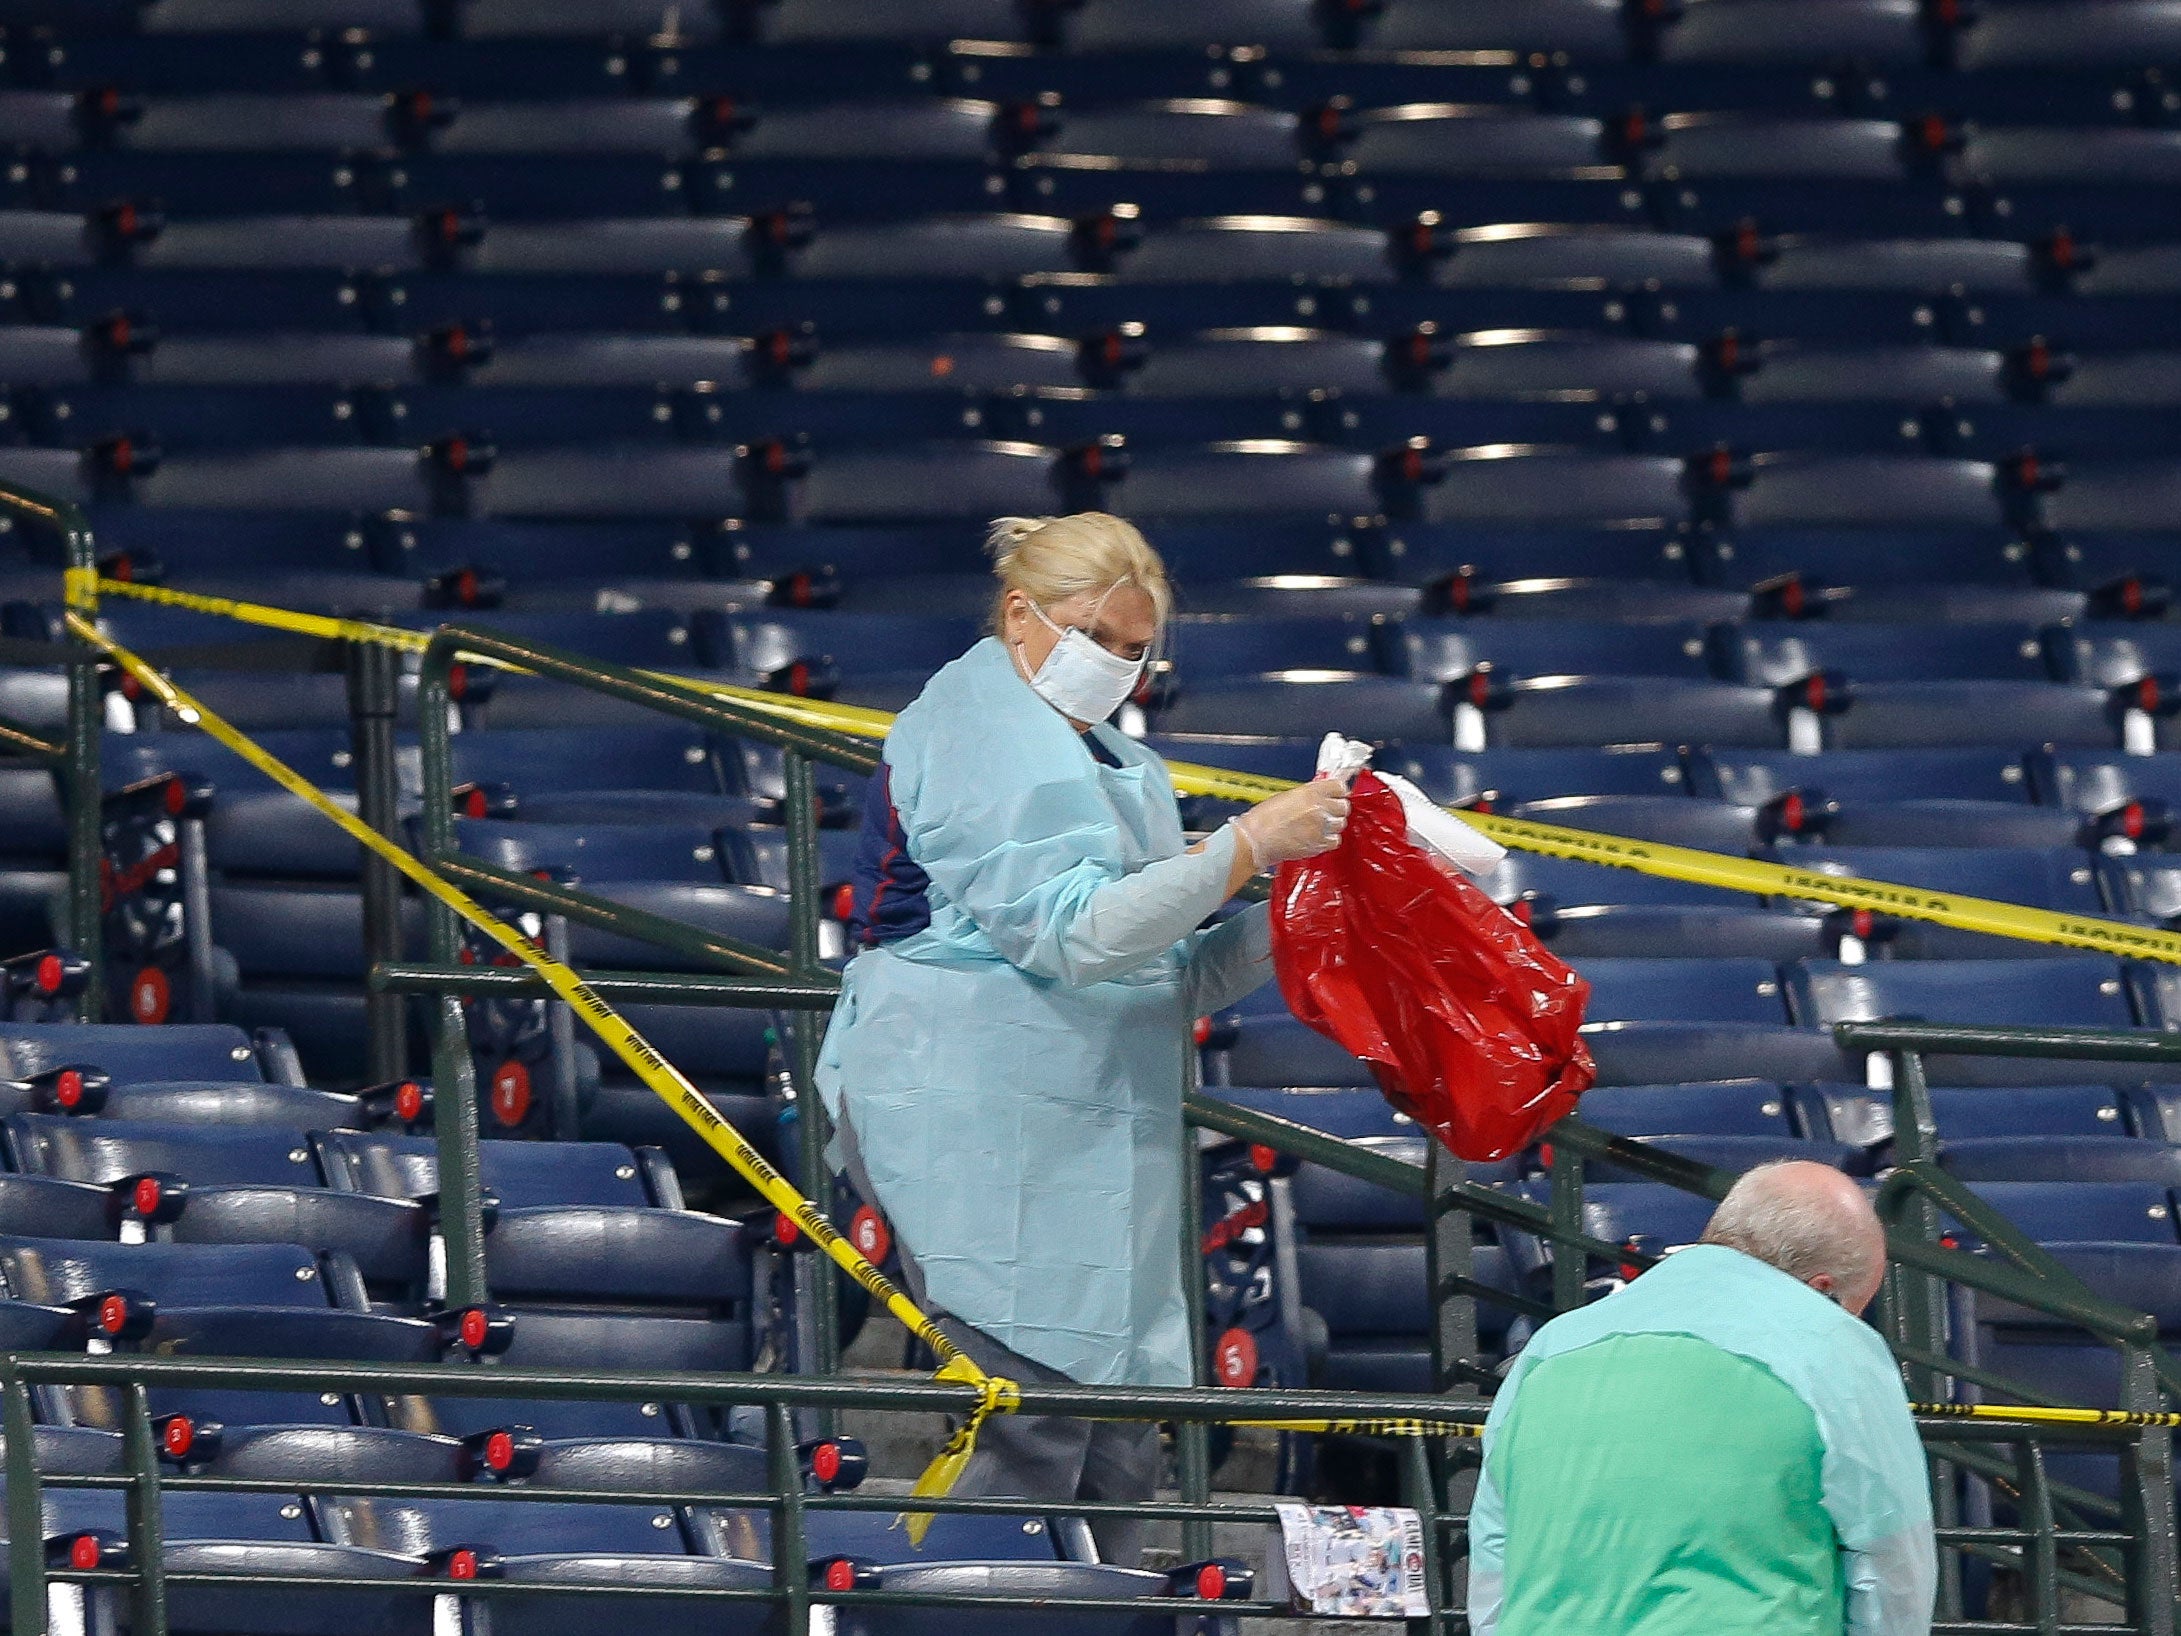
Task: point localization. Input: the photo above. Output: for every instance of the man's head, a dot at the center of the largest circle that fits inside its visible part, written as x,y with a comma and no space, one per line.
1812,1223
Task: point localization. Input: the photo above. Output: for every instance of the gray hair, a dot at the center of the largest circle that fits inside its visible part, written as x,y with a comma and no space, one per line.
1799,1222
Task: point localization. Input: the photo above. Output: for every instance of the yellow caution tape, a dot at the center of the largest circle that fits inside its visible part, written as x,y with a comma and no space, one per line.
995,1395
2033,1415
1750,875
1764,879
2024,1414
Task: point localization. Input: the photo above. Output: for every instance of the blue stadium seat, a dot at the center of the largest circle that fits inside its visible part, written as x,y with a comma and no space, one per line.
2049,1212
1573,419
1887,715
2126,795
1523,488
2046,1158
248,1179
729,1055
571,1339
2121,566
1214,645
235,1300
1700,146
1868,491
2146,888
1278,1050
1917,375
1903,798
1676,820
919,484
2071,991
2140,379
1920,574
1586,28
1854,317
1866,1117
1550,253
598,851
1740,31
2118,496
1498,778
52,1208
768,644
235,1533
1584,911
601,1546
1819,262
1732,1107
1447,650
1734,1153
1684,990
1450,139
2117,658
1641,1053
2061,880
130,1054
1307,704
1647,1216
2042,1361
2037,36
296,962
1461,562
230,1102
1599,710
591,1224
1777,655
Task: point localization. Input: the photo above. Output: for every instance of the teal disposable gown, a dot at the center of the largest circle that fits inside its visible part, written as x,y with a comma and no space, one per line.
1013,1073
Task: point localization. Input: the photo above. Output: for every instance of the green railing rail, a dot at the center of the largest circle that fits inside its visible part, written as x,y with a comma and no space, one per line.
148,1581
75,758
2070,1538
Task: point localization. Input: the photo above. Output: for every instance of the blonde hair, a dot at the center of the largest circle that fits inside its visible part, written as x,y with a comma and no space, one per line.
1050,559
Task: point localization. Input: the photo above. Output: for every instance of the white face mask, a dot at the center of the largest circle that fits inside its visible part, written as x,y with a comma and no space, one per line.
1080,679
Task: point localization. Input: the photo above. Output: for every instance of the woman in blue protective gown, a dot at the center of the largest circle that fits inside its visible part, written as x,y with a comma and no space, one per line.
1006,1063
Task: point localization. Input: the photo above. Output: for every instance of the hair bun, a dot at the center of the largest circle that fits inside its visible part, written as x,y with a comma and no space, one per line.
1006,535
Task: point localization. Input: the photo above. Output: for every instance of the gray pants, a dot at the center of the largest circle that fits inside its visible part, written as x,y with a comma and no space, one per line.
1036,1457
1051,1459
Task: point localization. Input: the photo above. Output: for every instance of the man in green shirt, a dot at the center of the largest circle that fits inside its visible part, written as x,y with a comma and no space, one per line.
1722,1446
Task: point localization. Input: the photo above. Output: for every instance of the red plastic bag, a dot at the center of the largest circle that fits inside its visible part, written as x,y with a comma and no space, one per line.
1468,1024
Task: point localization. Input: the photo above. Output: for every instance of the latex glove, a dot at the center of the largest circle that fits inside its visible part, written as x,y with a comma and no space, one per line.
1297,823
1431,827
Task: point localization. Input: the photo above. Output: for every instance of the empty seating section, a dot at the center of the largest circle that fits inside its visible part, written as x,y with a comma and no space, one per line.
1735,425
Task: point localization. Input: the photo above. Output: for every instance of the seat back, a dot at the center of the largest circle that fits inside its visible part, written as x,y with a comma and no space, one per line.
523,1175
129,1053
106,1150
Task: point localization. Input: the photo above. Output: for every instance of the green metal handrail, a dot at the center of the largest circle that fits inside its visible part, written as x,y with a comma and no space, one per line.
78,757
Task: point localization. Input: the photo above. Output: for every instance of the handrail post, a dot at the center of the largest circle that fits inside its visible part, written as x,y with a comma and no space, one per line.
374,679
26,1508
1192,1438
2042,1558
1421,1483
1570,1266
790,1555
454,1074
804,911
1443,1474
1918,1307
1448,1256
2147,1504
82,792
147,1536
